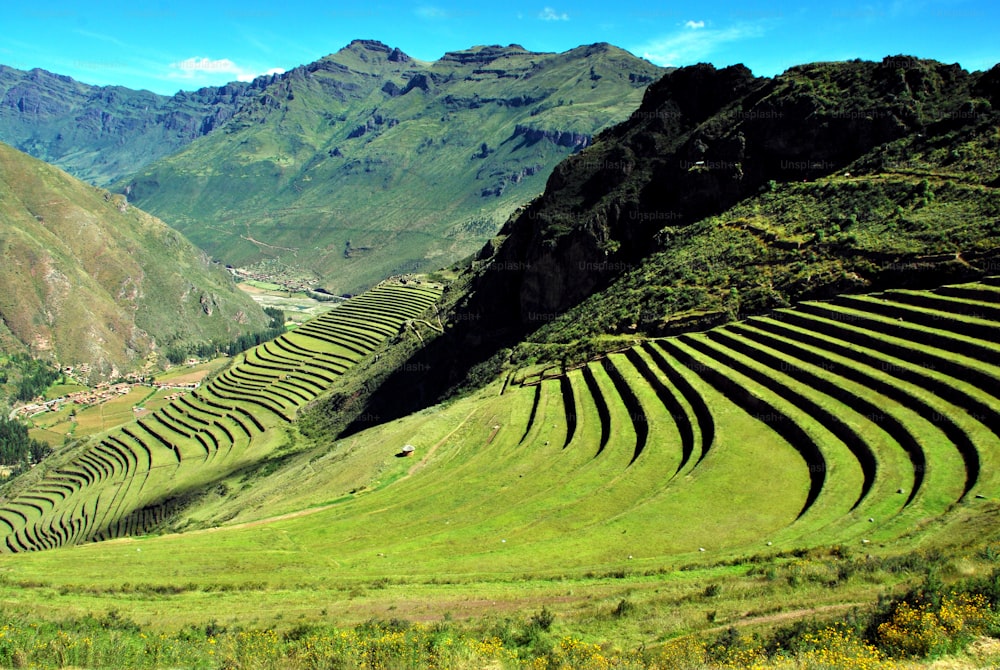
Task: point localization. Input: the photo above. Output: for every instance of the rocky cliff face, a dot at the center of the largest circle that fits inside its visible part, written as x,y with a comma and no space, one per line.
560,138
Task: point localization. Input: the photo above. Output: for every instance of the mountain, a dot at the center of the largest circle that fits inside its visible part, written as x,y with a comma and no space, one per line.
89,280
727,195
818,453
100,133
368,163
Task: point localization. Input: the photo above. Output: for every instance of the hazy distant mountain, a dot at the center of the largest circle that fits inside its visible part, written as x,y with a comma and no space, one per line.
368,163
101,133
88,279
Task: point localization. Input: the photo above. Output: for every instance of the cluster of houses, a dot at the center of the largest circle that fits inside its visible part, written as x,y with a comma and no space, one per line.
99,394
298,285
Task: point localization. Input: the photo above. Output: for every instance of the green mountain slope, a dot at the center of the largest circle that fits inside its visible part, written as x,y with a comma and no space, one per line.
726,195
368,163
101,133
88,279
606,450
133,480
834,424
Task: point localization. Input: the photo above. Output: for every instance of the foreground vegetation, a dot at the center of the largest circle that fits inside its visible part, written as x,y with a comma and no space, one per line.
17,448
930,620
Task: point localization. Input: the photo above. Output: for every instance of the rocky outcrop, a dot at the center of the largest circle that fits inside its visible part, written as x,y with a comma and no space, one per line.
418,81
562,138
501,180
484,55
375,122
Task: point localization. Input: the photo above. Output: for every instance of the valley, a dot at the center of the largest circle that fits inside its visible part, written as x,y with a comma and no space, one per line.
725,394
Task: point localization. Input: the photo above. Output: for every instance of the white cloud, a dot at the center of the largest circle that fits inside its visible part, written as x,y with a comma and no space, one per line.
196,64
192,68
694,25
428,12
549,14
691,46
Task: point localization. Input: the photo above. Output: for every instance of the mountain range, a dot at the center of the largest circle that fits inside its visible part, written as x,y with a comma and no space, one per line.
99,133
361,165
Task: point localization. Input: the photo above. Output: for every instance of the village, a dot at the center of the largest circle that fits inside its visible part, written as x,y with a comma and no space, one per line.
282,277
100,394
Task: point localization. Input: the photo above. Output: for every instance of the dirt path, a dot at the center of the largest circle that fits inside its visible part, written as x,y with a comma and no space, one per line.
779,617
430,452
248,238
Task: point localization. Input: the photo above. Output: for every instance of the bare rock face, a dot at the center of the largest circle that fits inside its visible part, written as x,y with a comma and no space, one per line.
418,81
561,138
207,303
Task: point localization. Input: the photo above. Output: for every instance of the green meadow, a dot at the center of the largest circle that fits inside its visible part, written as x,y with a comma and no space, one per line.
784,468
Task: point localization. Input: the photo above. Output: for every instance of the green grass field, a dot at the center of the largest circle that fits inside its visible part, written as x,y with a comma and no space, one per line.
797,441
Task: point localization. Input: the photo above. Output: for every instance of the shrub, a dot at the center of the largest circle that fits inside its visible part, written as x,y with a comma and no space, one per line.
837,647
928,630
543,619
623,609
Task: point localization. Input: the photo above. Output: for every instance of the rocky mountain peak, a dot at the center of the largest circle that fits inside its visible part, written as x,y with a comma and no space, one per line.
485,54
370,45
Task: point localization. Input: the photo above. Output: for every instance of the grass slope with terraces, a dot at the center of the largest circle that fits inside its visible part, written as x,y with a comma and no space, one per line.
867,423
133,479
794,464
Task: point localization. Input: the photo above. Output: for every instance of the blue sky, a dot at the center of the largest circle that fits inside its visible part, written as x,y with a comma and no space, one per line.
182,45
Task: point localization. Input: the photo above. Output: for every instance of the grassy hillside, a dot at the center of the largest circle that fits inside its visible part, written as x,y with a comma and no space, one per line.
140,477
91,281
368,163
866,425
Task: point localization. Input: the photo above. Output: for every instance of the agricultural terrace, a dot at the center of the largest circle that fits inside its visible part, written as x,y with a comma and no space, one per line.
852,423
130,480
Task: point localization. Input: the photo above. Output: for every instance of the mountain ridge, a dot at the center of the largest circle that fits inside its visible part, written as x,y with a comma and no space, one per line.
99,133
441,153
